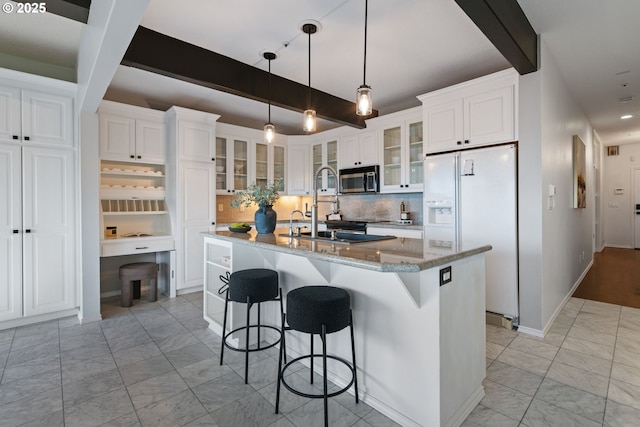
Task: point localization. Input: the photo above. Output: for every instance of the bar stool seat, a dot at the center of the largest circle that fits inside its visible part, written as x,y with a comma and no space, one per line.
136,272
251,286
318,310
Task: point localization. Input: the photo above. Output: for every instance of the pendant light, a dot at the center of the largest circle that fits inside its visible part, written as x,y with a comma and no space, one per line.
269,128
364,104
309,124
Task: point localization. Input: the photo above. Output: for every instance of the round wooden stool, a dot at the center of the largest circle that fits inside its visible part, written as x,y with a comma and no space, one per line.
136,272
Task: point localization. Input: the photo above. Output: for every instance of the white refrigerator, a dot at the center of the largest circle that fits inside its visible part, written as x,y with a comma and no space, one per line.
470,200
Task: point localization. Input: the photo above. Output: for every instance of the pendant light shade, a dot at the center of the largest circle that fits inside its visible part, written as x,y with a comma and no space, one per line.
309,119
364,104
269,128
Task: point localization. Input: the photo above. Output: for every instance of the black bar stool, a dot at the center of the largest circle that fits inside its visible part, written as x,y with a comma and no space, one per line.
251,286
317,310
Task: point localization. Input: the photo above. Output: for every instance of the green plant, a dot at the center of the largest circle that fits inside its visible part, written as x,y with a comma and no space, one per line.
257,194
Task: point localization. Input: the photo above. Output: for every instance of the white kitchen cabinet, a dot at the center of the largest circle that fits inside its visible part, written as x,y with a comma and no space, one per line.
131,134
474,113
360,149
270,164
233,164
11,232
38,230
35,118
191,190
401,152
325,154
299,169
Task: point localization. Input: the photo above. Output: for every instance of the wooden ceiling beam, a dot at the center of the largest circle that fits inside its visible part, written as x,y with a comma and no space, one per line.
156,52
507,27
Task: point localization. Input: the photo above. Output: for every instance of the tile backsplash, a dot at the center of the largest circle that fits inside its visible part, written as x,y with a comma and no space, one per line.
375,207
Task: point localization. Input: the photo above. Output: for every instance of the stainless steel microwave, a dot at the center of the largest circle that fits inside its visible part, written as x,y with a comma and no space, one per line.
360,180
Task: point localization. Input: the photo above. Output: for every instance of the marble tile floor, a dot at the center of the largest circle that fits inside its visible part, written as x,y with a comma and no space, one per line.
585,372
154,364
157,364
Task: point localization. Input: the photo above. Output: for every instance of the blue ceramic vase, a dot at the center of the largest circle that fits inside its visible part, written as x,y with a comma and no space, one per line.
265,219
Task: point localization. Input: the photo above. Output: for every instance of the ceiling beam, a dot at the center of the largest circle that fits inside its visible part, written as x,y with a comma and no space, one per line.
156,52
507,27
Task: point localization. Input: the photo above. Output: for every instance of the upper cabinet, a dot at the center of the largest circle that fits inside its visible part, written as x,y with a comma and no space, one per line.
270,165
401,151
131,134
233,164
478,112
299,167
360,149
325,154
35,118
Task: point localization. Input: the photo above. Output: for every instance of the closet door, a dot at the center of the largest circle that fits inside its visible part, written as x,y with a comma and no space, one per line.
49,238
10,233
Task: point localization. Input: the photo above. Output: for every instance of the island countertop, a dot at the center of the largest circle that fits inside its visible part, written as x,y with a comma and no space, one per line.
400,255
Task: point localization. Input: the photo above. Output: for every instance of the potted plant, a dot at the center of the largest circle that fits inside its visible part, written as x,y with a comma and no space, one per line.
265,217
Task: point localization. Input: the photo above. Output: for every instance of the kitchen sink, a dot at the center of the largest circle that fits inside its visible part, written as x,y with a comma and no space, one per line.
343,238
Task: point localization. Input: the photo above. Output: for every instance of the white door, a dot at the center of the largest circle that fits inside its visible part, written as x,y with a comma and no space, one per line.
197,141
49,238
47,119
10,233
117,137
636,205
150,142
9,114
487,215
198,202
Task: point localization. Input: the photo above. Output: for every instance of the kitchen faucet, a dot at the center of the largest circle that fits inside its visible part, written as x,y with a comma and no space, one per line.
297,232
314,206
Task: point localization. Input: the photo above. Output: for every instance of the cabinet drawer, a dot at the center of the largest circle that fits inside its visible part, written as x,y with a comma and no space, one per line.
136,246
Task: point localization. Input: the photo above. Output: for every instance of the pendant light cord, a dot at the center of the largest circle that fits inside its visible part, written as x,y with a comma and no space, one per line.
309,94
269,91
364,74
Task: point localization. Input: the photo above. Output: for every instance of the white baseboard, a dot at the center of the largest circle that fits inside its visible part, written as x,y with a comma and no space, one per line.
469,405
545,330
23,321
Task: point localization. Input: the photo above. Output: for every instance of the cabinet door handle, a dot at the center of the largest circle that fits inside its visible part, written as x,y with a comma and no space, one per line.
132,156
213,223
26,138
16,231
459,143
139,157
142,247
16,137
466,141
28,230
213,159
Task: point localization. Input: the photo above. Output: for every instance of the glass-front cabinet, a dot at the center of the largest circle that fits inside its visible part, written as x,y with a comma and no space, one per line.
270,165
402,155
232,164
325,154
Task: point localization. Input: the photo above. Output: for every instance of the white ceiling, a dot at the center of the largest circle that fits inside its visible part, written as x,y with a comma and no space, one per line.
414,46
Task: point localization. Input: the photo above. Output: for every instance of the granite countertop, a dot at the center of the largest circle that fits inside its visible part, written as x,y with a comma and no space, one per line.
401,255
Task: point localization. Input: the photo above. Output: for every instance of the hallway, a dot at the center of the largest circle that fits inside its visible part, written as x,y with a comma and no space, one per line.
614,278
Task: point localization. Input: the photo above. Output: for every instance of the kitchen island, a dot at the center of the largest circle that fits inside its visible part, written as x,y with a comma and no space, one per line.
418,315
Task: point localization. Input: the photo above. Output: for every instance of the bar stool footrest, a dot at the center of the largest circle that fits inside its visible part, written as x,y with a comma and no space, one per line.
242,328
321,395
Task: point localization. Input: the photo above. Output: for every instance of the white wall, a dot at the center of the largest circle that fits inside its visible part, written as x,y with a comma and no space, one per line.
619,209
555,244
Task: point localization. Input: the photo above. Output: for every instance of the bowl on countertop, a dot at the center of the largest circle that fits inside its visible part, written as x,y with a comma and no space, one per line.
239,229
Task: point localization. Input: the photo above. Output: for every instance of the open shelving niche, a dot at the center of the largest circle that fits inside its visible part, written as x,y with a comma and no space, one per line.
132,198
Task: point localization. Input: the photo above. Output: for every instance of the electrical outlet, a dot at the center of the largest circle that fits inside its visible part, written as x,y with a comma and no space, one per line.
220,207
445,275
